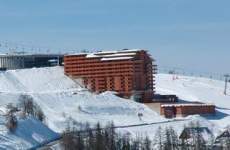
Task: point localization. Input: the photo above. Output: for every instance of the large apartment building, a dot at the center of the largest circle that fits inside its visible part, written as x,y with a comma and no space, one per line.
128,72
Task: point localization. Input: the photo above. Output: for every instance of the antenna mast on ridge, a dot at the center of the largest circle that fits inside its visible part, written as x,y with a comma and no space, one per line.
226,83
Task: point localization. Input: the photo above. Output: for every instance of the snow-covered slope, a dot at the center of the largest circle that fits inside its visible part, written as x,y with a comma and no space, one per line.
198,89
194,89
36,80
191,89
61,99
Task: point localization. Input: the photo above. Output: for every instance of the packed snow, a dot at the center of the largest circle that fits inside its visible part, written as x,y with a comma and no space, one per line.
112,55
116,58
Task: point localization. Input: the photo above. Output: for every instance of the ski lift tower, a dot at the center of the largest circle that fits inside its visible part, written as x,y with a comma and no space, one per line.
226,76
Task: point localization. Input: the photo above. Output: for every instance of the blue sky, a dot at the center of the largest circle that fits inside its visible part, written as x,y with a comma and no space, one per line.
189,34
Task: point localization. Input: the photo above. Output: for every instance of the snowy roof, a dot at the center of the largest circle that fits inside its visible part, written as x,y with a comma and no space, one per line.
119,51
186,104
116,58
112,55
119,54
107,52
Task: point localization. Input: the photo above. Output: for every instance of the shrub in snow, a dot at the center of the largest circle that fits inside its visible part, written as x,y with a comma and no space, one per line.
171,139
63,114
158,142
68,141
79,108
11,108
11,122
39,114
27,104
28,107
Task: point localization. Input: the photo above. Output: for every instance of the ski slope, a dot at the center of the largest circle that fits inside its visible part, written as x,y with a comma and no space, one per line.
63,100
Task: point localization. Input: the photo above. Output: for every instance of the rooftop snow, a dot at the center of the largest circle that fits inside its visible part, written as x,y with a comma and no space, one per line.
119,51
116,58
92,55
183,104
101,53
112,55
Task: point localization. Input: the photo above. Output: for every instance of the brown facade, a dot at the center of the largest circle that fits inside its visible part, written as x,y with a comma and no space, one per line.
128,72
170,111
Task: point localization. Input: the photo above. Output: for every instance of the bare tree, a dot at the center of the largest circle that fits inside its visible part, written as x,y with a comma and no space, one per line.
27,104
226,140
11,108
39,114
11,122
68,142
29,108
147,144
171,139
159,138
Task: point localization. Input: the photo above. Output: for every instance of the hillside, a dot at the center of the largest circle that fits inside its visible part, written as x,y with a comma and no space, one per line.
191,89
194,89
62,101
199,89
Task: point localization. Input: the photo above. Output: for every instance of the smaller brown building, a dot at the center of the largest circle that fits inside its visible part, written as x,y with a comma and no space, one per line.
185,109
